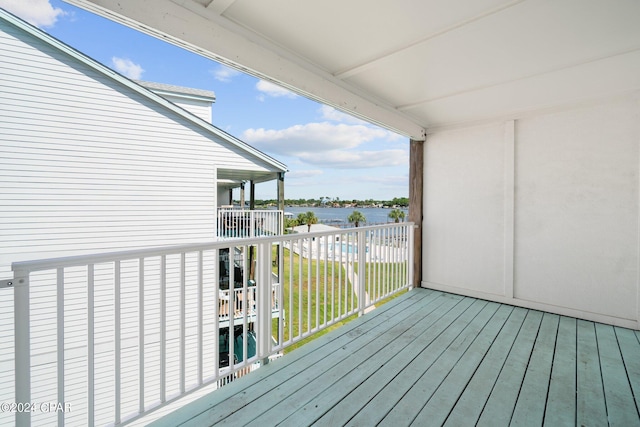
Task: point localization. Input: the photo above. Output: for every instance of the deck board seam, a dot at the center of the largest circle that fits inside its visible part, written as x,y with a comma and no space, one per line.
504,362
526,368
436,323
310,367
411,324
478,365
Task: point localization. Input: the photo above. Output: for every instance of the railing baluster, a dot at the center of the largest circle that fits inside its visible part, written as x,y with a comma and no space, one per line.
200,317
324,262
291,286
232,305
118,343
163,328
182,322
60,336
300,263
90,345
141,334
216,314
362,259
317,281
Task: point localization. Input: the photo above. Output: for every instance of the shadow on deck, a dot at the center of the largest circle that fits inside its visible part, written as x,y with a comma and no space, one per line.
431,358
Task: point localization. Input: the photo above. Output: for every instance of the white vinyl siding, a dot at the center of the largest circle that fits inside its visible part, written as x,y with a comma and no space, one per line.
197,108
90,165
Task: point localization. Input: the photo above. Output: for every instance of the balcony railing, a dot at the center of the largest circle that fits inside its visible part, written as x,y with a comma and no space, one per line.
116,336
240,223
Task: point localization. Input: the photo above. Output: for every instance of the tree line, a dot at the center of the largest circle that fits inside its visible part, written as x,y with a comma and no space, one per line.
356,218
336,202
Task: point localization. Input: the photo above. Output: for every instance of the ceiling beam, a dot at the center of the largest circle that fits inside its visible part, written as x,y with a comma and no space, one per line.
192,26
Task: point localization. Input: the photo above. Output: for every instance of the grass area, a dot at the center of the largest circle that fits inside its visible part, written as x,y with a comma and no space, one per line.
316,291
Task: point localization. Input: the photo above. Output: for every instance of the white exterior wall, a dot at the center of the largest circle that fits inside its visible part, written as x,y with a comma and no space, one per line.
89,165
542,211
197,108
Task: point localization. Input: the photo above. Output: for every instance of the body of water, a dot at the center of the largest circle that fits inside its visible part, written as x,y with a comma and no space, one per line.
340,215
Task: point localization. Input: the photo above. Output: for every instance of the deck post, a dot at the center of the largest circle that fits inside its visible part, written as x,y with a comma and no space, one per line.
242,195
22,337
416,186
281,199
252,195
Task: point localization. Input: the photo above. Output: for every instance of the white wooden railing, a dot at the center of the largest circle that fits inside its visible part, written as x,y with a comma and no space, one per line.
240,223
116,336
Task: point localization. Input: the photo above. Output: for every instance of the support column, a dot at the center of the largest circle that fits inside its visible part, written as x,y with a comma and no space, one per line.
252,195
416,206
281,199
242,195
252,206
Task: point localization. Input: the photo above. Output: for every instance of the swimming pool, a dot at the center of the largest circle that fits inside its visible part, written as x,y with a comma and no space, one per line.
346,248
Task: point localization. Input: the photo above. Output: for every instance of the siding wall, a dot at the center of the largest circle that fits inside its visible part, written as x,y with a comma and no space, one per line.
88,165
197,108
542,211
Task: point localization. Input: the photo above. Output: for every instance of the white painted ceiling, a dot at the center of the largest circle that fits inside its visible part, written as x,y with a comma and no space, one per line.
412,65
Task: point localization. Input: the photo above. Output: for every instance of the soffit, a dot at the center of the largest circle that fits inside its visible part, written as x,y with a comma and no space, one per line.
412,64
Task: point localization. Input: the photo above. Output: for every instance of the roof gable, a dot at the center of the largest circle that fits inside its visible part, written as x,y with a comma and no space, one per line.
216,133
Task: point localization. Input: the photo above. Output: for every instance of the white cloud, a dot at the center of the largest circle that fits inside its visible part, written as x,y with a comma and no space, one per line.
311,138
309,173
357,159
273,90
127,67
224,74
328,145
36,12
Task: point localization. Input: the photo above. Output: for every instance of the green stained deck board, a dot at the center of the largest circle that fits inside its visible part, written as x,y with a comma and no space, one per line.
561,401
439,406
429,351
289,392
234,396
324,359
630,349
591,408
393,391
420,393
349,371
469,406
502,400
532,399
344,396
621,409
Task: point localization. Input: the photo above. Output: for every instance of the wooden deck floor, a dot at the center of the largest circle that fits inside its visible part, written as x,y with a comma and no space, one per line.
430,358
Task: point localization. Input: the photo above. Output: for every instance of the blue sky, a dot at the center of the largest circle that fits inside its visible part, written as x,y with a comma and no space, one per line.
328,153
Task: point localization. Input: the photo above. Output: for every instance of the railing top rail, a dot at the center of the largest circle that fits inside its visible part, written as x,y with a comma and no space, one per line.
78,260
238,209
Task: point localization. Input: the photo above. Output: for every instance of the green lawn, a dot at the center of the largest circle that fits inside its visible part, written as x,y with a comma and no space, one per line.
322,291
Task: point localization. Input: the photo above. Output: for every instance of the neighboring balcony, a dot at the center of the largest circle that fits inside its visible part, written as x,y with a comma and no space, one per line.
125,337
240,223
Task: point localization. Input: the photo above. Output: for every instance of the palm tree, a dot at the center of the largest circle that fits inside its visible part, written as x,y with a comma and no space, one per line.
396,215
356,217
308,218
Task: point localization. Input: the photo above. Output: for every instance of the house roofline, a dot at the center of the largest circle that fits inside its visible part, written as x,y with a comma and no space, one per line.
131,84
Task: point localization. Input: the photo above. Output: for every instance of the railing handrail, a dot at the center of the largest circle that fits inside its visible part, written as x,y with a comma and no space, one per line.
169,299
76,260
